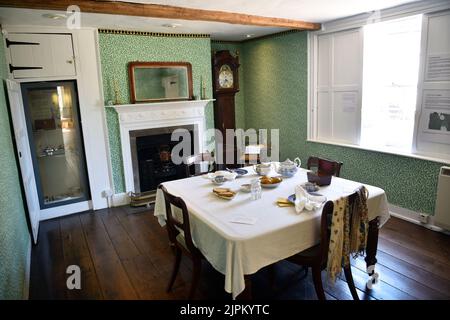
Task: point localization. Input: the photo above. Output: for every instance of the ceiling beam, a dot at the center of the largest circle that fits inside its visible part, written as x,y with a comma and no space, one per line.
160,11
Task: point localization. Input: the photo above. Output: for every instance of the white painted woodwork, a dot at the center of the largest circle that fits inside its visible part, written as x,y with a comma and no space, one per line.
435,42
339,74
24,153
92,114
158,115
52,52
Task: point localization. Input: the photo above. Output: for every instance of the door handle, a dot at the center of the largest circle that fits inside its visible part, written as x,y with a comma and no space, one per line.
20,154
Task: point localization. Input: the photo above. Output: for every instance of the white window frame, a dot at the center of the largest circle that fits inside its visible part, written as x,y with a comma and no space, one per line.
420,7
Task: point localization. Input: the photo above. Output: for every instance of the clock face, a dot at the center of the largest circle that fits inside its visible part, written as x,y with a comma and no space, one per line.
225,77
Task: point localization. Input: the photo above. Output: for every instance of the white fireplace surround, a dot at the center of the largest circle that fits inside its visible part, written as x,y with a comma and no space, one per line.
157,115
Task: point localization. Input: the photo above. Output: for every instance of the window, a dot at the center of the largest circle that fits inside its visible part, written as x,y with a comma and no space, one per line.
383,86
390,75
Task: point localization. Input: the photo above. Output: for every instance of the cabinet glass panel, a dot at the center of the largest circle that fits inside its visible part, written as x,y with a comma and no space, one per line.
55,139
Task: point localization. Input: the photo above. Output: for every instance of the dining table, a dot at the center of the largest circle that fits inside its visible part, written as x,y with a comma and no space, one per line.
240,236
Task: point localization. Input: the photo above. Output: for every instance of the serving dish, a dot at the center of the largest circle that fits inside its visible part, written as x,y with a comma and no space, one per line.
270,182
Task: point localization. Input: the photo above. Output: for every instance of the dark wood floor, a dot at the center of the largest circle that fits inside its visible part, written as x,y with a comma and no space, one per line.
123,253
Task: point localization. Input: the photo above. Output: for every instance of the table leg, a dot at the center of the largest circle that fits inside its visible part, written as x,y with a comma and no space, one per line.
371,251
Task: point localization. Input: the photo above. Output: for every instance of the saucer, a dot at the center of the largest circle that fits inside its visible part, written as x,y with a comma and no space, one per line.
239,172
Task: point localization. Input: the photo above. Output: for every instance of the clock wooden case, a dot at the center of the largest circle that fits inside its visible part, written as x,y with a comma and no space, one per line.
225,86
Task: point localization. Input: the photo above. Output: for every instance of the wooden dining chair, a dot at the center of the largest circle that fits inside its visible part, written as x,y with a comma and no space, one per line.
325,166
181,241
193,164
316,257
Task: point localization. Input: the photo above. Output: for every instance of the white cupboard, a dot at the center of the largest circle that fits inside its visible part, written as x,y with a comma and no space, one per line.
34,55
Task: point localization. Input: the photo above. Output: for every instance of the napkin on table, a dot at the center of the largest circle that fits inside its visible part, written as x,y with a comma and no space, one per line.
303,200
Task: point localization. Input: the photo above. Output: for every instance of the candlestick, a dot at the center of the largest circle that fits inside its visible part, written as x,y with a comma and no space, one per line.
203,89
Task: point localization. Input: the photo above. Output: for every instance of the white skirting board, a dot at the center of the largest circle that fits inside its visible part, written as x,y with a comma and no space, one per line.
415,217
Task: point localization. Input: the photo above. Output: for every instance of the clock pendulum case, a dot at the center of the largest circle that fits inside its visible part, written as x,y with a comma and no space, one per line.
225,86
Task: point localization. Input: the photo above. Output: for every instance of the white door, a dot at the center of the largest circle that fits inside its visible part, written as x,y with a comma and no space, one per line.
24,152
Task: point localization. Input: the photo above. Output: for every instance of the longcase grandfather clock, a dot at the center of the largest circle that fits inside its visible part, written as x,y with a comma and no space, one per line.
225,85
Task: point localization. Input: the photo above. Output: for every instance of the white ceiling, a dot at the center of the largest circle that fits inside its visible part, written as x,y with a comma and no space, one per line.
307,10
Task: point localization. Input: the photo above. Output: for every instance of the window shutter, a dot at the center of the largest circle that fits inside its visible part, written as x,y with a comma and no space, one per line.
339,86
433,99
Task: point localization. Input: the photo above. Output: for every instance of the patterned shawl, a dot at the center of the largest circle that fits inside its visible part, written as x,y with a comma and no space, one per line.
349,226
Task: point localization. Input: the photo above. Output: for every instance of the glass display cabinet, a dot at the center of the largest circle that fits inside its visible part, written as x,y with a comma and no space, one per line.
56,144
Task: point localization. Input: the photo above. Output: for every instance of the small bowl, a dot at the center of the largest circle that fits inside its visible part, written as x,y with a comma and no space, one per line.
310,187
219,180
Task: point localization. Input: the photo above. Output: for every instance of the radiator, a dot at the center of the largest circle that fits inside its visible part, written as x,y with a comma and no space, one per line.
442,211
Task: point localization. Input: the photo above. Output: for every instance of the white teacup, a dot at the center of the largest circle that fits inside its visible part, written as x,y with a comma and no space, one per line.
263,169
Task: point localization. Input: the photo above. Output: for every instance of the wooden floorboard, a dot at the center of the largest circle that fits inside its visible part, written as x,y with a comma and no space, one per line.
434,245
384,290
416,273
113,279
76,252
124,254
48,271
413,257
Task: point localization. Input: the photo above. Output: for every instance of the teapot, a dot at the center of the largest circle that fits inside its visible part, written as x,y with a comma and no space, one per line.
263,169
288,168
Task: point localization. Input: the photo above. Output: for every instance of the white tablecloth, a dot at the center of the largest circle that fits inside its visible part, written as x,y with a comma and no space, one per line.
236,249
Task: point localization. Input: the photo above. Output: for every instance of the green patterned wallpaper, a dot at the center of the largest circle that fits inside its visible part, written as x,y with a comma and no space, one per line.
14,236
116,50
276,97
273,94
239,98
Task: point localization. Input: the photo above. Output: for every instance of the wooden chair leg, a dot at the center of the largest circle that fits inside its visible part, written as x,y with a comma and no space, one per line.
196,271
176,266
317,280
351,284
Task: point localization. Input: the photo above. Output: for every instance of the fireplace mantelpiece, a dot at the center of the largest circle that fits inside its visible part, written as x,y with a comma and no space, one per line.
157,115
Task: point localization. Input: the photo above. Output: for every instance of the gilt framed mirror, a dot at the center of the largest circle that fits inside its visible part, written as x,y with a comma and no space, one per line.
160,81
